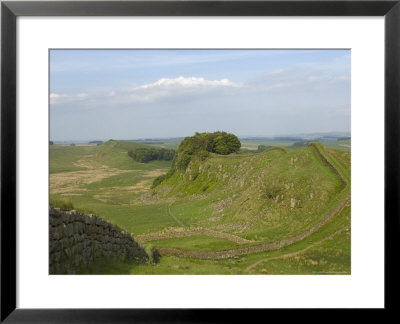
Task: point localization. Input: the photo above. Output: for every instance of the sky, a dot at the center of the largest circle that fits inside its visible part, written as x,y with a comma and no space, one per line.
132,94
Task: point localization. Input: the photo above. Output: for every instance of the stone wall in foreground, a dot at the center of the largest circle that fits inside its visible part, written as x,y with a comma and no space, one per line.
78,240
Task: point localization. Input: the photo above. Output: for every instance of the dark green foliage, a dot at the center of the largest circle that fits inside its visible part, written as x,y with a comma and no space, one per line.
161,178
158,180
201,144
225,143
199,147
183,160
155,255
218,142
202,155
144,154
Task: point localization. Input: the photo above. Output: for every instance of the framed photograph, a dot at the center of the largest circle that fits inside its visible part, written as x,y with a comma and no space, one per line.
162,158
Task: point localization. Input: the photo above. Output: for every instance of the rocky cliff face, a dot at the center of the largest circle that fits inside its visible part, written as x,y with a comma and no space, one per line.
78,240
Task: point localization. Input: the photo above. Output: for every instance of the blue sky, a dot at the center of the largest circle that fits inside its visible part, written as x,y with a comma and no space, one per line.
128,94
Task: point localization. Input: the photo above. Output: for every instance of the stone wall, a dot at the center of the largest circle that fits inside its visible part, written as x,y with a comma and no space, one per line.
329,164
264,247
78,240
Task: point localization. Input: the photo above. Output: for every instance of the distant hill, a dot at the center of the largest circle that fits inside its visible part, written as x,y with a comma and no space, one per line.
96,142
310,137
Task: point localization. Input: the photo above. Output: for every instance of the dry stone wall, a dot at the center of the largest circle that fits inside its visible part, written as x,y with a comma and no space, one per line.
224,254
192,232
329,164
78,240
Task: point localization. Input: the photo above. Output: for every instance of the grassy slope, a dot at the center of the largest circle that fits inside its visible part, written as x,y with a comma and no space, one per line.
235,194
257,190
114,196
332,256
63,158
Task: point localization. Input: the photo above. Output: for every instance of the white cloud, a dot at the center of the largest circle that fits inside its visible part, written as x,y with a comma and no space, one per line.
190,82
57,98
173,87
150,92
296,79
54,97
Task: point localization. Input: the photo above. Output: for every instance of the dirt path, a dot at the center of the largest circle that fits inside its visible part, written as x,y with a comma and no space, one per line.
174,217
289,255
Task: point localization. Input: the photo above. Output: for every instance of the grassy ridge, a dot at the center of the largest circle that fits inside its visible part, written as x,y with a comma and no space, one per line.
255,191
261,197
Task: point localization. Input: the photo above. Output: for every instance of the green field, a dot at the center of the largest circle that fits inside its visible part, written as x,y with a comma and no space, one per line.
222,215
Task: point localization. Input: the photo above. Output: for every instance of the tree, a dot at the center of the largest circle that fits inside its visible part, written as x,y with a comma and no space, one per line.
147,154
226,143
199,147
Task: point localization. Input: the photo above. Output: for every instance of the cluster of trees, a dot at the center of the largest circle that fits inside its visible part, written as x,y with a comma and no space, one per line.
201,144
147,154
225,143
199,147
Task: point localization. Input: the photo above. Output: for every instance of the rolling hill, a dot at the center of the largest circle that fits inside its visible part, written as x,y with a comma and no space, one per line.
277,211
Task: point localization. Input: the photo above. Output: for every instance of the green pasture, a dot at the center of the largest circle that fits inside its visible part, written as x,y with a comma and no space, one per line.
247,195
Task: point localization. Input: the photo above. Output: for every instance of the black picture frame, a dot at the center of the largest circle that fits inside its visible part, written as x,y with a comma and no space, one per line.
10,10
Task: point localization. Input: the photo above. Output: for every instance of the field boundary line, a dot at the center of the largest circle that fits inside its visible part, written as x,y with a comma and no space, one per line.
224,254
329,164
193,232
291,254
